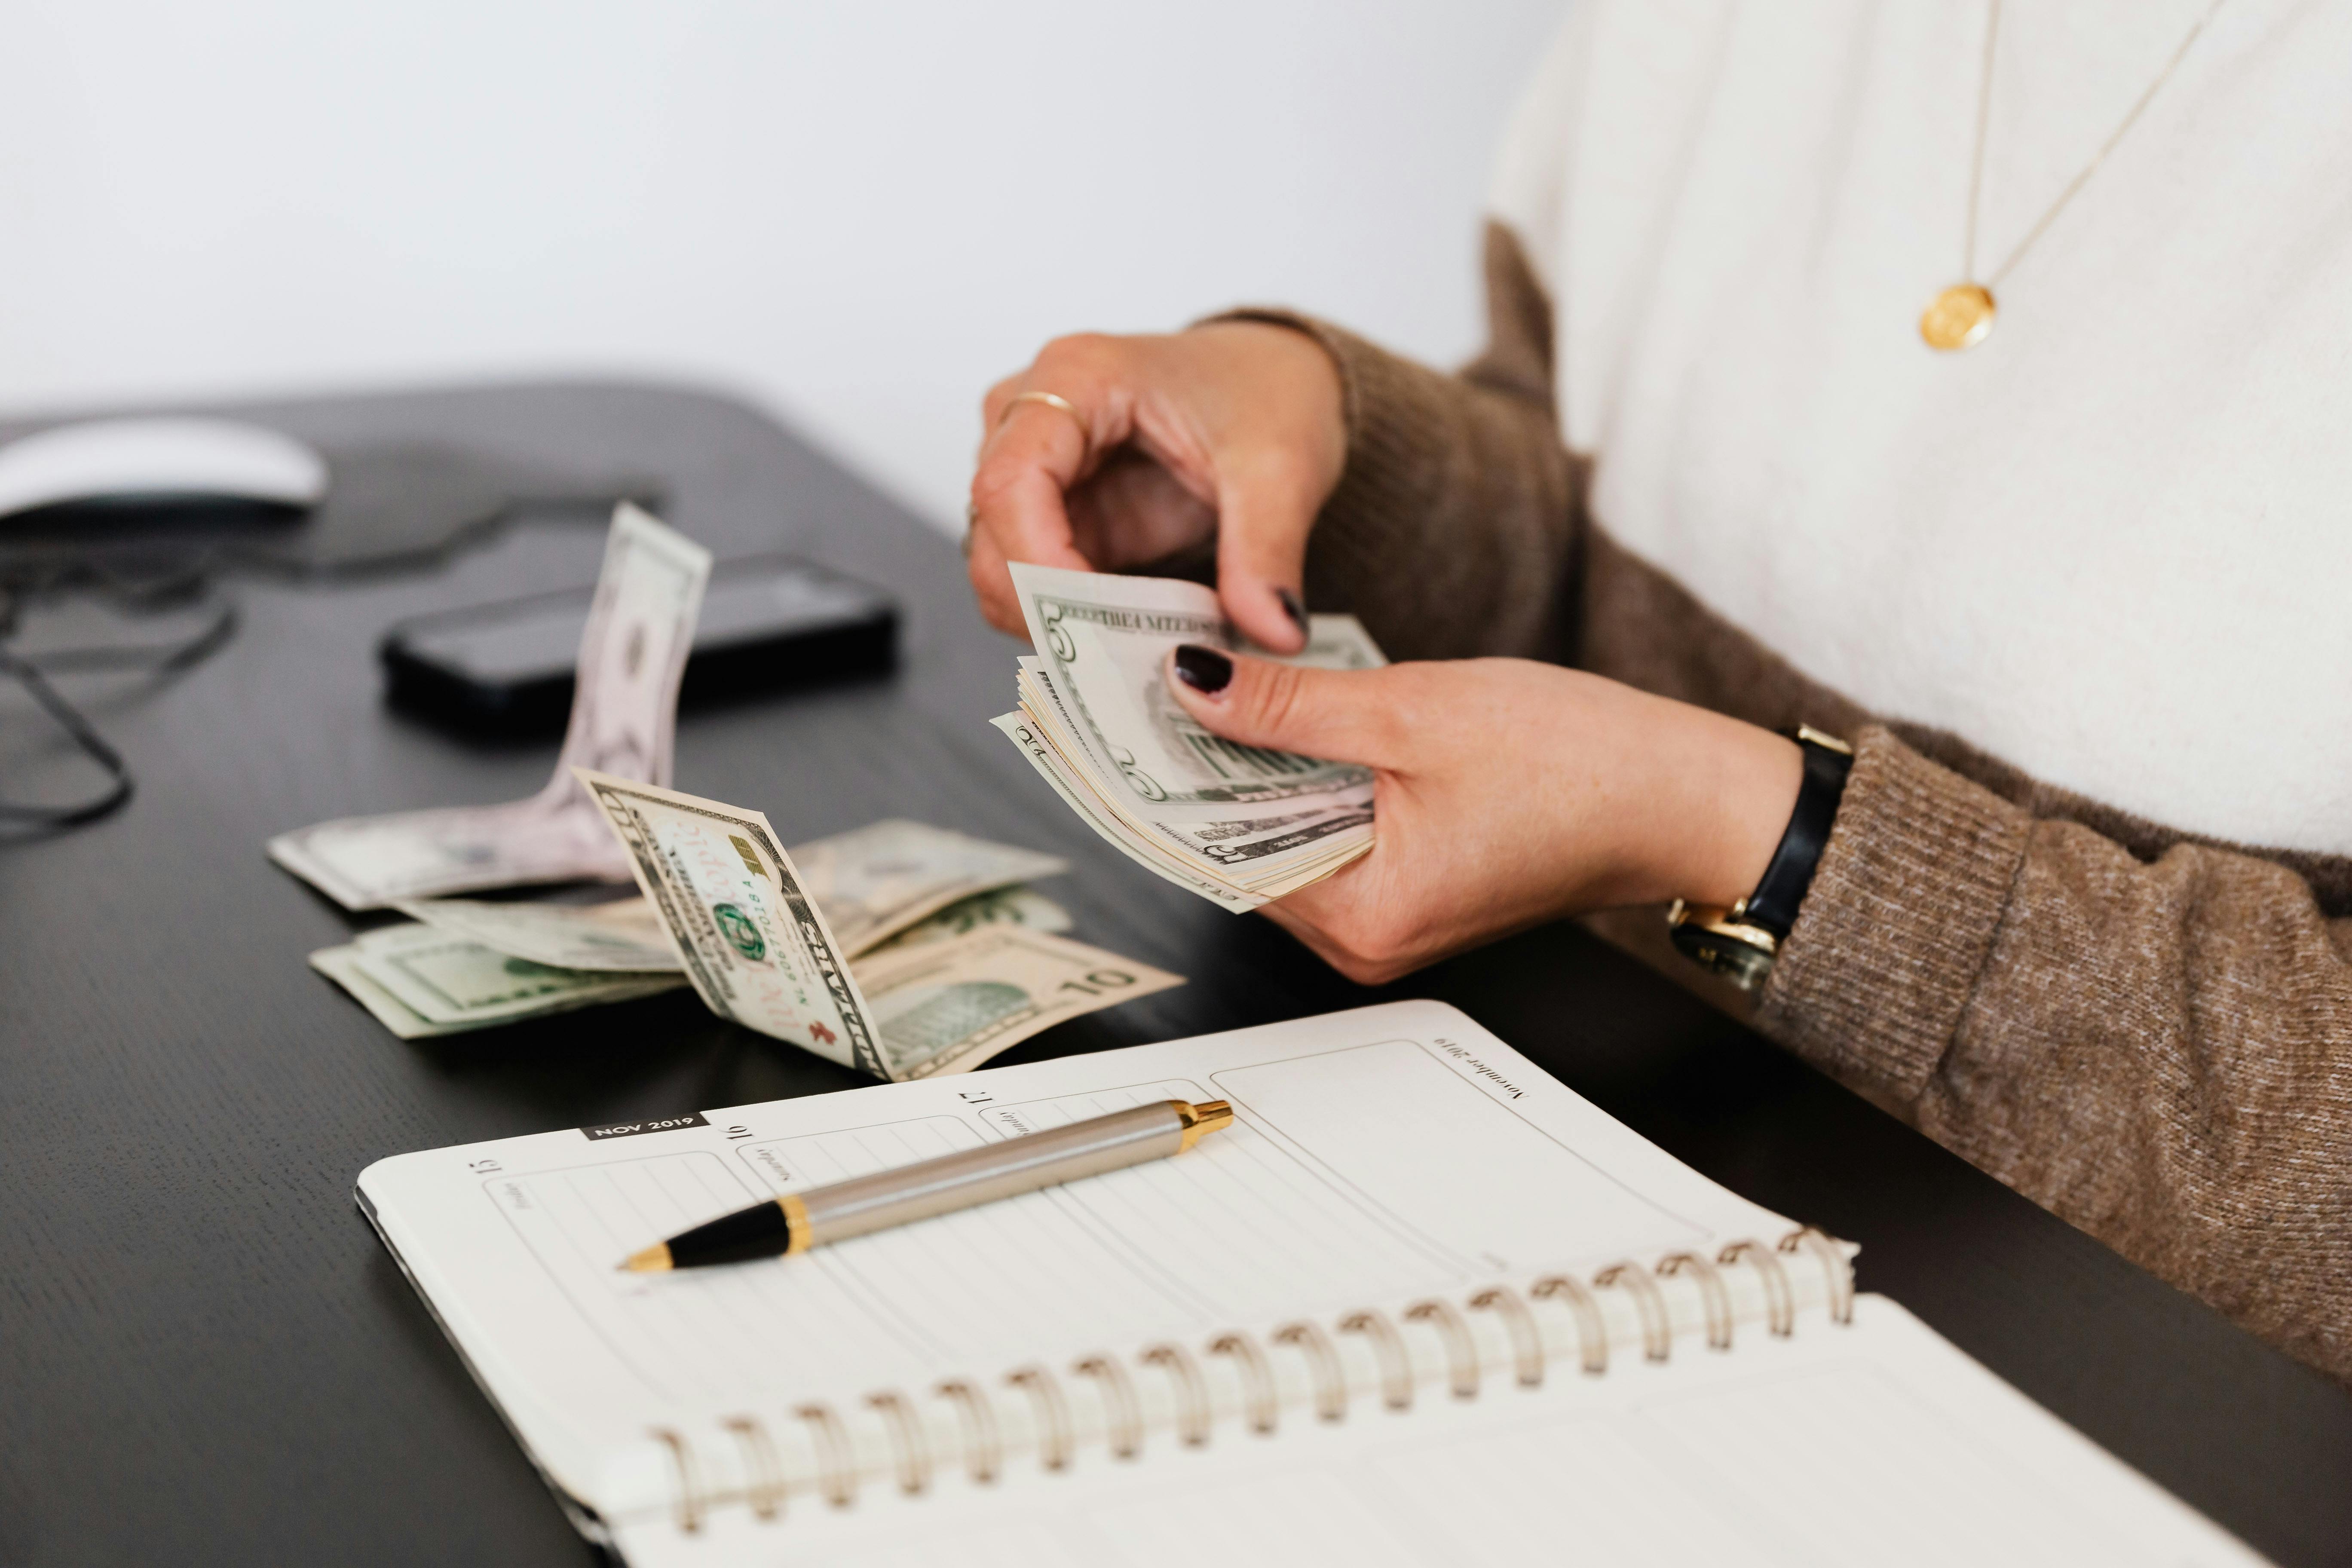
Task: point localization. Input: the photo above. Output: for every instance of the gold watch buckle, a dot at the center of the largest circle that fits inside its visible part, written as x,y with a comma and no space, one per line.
1720,940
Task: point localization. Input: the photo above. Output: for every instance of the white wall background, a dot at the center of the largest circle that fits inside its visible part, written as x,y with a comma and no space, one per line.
857,214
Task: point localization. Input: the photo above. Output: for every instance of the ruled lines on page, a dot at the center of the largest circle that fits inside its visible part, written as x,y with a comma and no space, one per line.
1236,1229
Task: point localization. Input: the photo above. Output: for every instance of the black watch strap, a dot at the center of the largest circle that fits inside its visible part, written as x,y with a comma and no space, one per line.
1773,904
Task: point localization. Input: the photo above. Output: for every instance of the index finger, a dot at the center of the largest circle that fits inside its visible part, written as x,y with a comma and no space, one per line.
1032,457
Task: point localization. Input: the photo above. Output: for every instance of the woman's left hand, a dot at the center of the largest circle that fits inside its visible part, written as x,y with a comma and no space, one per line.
1507,794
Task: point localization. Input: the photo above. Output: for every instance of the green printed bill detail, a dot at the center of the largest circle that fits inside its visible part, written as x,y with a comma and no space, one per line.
753,943
875,882
420,981
1025,908
948,1006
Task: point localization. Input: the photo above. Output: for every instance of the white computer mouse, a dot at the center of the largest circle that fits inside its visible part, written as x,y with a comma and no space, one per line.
118,460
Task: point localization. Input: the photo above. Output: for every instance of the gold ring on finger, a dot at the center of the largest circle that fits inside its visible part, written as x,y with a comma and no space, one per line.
1051,400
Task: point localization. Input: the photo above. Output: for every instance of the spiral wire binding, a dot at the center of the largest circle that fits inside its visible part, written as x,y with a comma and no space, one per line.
690,1503
1396,1372
1779,1297
914,1455
1657,1326
981,1444
1322,1364
1264,1404
1591,1327
1835,1264
984,1449
1044,1390
1711,1291
1118,1399
836,1479
1192,1411
1527,1340
1461,1350
766,1493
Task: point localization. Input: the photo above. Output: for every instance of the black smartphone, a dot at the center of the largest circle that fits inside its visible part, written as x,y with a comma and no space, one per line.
768,622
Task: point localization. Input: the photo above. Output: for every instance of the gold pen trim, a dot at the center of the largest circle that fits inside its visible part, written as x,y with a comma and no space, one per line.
796,1217
654,1259
1200,1120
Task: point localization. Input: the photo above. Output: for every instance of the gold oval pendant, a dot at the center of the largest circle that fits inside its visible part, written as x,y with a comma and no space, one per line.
1958,317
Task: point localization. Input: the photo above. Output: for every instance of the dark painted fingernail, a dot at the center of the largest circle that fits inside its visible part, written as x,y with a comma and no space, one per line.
1204,670
1293,608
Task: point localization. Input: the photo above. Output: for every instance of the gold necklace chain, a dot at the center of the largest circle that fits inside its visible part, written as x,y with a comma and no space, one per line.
1962,315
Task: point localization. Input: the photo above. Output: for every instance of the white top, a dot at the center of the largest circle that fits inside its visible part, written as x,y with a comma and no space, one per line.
2109,544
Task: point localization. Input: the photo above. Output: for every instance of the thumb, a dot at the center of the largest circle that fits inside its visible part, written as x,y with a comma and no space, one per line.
1340,715
1263,521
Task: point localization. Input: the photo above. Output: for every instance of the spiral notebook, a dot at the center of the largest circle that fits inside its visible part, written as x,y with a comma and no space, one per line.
1419,1304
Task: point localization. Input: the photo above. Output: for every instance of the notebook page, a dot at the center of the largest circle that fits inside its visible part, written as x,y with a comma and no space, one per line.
1836,1449
1387,1151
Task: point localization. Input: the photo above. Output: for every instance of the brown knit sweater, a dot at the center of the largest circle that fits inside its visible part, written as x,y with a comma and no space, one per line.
2147,1032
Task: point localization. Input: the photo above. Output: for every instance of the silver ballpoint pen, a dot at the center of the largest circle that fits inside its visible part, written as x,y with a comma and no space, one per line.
798,1221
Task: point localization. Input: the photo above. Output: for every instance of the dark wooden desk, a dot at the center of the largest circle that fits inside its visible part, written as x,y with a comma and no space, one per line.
205,1356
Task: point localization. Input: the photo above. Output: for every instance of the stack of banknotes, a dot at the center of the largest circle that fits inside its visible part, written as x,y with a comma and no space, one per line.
1238,825
949,957
903,949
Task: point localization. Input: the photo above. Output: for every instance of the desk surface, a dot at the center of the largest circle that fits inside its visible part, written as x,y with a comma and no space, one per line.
205,1356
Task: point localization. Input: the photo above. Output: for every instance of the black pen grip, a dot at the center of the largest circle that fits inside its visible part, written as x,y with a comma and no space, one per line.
738,1237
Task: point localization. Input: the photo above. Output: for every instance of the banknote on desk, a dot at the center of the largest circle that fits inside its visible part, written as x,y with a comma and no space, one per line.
626,935
948,995
950,1005
875,882
624,718
1239,825
1025,909
421,981
944,1001
746,929
622,936
758,949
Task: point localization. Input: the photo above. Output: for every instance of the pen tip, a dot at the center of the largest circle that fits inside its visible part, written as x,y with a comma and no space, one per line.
654,1259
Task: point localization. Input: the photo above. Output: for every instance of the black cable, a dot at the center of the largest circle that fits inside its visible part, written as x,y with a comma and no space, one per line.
177,577
156,658
31,673
54,818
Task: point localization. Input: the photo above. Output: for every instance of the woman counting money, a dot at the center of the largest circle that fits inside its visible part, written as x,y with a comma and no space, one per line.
1967,388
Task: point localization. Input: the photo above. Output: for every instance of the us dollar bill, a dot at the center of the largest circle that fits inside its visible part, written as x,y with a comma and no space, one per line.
751,939
622,935
624,721
1251,822
341,965
1027,734
1025,908
893,881
875,882
948,1006
420,981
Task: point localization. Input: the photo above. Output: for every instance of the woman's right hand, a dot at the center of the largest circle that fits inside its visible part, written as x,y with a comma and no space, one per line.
1235,429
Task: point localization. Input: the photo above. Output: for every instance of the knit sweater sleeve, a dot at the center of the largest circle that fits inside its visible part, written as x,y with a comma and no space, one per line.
1454,528
2159,1050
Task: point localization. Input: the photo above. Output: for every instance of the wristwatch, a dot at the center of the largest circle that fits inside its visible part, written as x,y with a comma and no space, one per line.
1741,942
